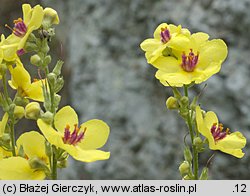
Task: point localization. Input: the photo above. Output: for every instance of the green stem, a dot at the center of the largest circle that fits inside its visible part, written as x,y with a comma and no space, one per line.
54,164
190,127
196,163
12,135
12,119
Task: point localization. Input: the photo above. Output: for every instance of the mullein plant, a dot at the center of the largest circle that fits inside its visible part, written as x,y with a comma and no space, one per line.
38,154
184,60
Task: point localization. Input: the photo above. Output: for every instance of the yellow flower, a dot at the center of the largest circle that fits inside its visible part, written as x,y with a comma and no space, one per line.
19,168
219,139
50,17
20,80
32,20
196,62
165,36
81,143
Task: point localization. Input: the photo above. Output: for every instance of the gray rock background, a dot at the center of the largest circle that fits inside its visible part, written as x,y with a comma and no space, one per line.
108,78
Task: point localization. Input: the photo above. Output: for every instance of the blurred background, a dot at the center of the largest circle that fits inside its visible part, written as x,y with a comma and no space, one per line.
107,77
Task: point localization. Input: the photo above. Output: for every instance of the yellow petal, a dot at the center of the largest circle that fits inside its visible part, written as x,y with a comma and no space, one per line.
3,123
35,91
90,155
175,29
167,64
18,168
179,42
214,51
26,13
50,134
235,140
150,44
96,134
203,124
200,38
210,119
65,116
156,54
177,79
22,42
157,32
232,144
20,77
33,144
37,17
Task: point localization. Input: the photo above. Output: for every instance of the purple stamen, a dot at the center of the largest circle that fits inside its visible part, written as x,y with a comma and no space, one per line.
165,35
218,132
189,62
73,138
20,28
66,135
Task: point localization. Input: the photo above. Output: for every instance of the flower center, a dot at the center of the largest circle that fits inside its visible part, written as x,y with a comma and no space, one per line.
19,28
189,62
74,137
218,132
165,35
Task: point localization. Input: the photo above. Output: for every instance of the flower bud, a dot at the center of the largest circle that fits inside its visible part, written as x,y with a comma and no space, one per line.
184,168
59,84
35,60
198,143
47,60
32,110
45,48
172,103
47,117
50,17
184,101
21,101
12,108
52,78
57,100
188,155
18,112
204,174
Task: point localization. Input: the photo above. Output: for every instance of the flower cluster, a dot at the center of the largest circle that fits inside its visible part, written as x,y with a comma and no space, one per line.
181,57
184,59
37,155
